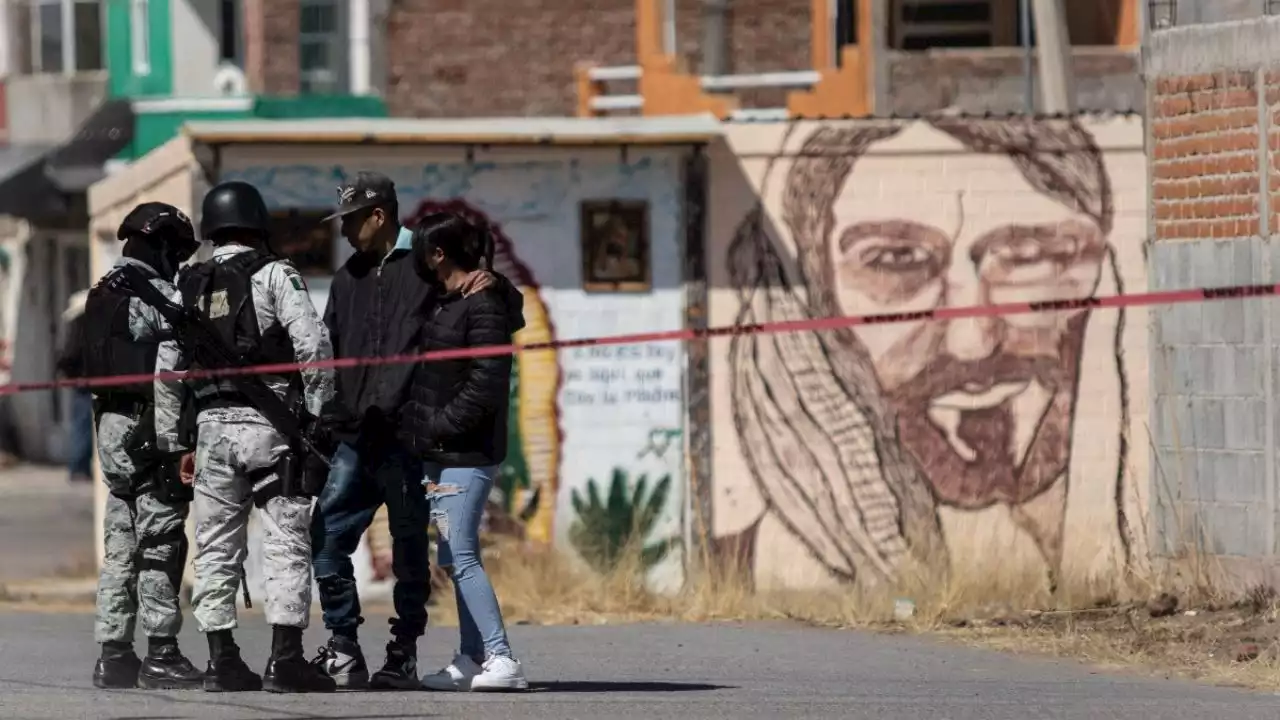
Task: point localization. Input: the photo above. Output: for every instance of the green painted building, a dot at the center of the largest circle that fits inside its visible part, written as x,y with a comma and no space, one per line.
180,60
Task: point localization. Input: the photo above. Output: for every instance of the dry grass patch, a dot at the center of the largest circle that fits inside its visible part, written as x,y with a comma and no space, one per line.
1202,636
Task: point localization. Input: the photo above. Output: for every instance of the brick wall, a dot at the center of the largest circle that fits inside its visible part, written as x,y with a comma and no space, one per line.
1205,156
1213,92
499,57
516,57
271,45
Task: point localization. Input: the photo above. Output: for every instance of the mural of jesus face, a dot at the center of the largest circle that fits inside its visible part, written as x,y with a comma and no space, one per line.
930,439
983,404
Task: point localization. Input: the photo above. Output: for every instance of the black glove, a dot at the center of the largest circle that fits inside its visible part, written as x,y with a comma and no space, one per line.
339,418
321,435
322,432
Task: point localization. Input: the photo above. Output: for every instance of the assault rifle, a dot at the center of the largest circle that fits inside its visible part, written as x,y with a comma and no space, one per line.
201,339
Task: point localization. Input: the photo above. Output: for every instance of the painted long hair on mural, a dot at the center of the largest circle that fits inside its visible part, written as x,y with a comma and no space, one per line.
862,441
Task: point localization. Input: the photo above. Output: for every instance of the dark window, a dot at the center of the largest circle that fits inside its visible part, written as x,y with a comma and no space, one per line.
229,30
47,40
951,13
321,41
300,236
925,24
846,22
88,34
846,26
49,32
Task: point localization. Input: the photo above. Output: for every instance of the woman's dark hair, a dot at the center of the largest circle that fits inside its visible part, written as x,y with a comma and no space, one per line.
464,243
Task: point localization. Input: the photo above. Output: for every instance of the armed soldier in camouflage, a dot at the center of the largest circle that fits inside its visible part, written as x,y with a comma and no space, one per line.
260,307
146,510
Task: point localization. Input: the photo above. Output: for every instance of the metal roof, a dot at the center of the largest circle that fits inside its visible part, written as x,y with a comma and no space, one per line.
463,131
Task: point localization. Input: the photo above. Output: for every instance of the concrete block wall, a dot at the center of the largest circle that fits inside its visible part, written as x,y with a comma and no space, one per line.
1213,141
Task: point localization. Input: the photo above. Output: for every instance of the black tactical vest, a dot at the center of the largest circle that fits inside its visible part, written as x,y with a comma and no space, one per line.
223,292
109,347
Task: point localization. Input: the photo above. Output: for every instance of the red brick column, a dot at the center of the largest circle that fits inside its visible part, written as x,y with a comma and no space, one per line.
1205,156
271,45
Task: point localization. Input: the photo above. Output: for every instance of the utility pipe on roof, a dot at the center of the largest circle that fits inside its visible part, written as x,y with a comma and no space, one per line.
360,24
1057,73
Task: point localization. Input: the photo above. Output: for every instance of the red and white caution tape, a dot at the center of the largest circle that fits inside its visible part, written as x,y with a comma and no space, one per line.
1167,297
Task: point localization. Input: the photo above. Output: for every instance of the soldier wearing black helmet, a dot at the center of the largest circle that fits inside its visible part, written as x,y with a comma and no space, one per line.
146,511
260,305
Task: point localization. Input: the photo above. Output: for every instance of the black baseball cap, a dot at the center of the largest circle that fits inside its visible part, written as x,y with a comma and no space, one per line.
369,189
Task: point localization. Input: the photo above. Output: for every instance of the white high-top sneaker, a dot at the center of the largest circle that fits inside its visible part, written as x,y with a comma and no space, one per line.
500,674
457,676
342,660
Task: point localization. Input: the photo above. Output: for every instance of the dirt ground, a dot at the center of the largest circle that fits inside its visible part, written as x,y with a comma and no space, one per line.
1233,645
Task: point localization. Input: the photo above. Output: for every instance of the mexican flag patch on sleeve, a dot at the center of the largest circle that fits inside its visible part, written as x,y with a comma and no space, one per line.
297,282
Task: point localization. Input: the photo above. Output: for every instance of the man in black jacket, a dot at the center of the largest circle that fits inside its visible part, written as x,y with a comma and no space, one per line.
377,304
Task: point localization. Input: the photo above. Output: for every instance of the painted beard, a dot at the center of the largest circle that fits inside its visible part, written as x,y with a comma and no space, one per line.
997,430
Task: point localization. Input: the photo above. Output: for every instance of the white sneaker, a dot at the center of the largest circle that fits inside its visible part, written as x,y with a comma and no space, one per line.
500,673
456,677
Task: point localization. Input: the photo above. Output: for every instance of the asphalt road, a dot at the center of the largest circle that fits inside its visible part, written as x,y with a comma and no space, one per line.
636,671
46,523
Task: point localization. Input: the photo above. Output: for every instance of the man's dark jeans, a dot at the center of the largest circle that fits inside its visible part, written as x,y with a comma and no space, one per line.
80,457
356,487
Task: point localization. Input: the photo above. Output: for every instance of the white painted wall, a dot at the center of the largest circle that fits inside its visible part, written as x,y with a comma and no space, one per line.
8,48
359,25
195,46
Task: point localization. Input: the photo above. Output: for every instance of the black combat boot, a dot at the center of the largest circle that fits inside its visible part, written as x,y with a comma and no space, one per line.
288,671
400,671
165,667
227,672
117,667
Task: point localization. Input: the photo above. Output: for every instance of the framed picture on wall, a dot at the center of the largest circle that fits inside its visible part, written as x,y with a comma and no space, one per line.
615,246
301,237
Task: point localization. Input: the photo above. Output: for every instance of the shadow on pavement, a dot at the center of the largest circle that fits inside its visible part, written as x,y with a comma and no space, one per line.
607,687
196,698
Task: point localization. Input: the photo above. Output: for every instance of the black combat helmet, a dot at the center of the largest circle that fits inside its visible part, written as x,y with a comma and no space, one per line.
163,224
234,205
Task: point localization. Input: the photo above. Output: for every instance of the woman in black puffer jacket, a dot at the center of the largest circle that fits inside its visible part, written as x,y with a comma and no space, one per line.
456,422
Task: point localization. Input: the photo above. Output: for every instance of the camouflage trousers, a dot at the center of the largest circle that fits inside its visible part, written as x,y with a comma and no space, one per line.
145,547
233,461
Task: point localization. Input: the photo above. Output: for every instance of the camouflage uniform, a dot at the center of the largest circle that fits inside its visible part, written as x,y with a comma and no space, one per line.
144,538
235,442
